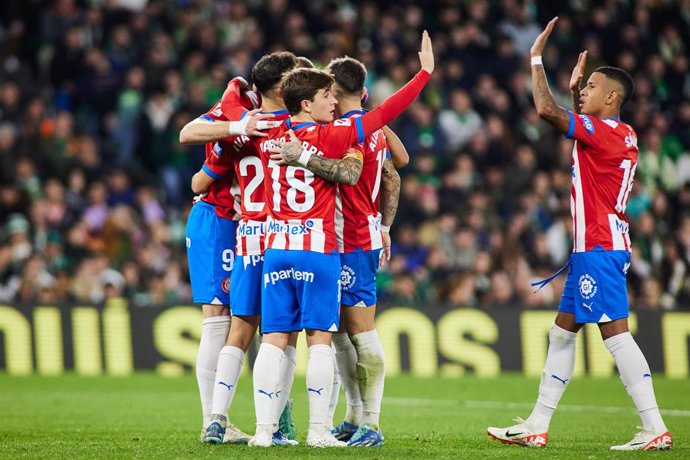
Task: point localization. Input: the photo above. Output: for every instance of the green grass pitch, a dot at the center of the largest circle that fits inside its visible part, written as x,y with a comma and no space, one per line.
148,416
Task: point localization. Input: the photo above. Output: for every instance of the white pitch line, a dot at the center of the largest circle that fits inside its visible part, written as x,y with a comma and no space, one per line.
397,401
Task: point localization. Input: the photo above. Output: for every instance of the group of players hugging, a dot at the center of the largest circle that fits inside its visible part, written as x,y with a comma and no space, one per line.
295,202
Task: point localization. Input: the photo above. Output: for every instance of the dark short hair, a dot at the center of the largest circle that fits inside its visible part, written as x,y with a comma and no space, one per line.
302,84
268,72
622,77
303,62
349,74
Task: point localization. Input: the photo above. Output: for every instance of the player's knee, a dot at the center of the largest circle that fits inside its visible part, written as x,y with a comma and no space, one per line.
373,358
212,311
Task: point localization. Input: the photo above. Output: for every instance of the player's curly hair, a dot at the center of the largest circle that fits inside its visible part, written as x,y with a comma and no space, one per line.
622,77
302,85
349,74
268,72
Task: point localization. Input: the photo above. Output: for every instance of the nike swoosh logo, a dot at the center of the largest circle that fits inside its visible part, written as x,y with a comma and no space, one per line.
510,435
314,390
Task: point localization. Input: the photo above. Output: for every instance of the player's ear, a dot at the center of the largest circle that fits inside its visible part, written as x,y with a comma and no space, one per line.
306,105
612,97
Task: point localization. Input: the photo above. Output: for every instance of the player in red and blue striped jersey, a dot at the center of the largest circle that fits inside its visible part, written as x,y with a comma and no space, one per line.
302,266
603,168
229,164
364,213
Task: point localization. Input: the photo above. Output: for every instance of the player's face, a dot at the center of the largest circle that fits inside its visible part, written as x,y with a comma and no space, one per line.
323,107
594,95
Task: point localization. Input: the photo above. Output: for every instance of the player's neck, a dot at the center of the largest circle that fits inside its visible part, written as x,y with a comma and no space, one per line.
347,104
302,117
608,113
272,105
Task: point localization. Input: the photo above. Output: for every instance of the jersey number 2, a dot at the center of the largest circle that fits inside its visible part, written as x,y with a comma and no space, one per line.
245,163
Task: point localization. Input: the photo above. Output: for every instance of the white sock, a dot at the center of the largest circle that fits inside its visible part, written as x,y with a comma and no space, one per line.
227,374
637,378
558,370
319,385
214,333
346,359
287,376
371,370
335,391
265,385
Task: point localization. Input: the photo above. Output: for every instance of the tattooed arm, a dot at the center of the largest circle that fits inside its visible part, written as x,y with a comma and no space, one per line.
390,194
543,99
345,170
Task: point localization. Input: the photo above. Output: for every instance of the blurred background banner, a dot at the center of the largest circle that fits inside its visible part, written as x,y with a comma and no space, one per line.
117,340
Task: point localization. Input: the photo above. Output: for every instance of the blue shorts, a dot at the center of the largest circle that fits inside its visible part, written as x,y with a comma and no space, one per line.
595,290
300,290
358,277
245,295
210,254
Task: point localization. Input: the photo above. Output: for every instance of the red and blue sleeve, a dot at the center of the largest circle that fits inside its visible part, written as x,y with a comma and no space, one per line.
394,105
217,162
584,128
343,133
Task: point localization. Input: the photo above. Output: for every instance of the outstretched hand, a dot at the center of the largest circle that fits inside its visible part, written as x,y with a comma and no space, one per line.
426,54
578,72
540,42
257,123
285,153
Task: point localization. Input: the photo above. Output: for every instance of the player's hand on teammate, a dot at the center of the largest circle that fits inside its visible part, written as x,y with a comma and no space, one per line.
285,153
258,122
386,252
426,54
578,73
540,42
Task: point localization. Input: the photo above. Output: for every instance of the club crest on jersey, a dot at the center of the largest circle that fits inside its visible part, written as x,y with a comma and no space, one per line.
347,277
342,122
217,150
589,126
588,286
225,285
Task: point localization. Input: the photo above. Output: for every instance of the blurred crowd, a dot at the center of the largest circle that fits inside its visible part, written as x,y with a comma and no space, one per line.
94,185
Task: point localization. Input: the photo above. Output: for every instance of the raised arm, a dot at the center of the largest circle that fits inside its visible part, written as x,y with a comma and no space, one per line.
398,102
543,99
399,153
345,170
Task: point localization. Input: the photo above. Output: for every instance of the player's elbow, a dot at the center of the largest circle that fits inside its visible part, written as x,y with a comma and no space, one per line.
187,136
354,178
197,186
545,111
401,161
